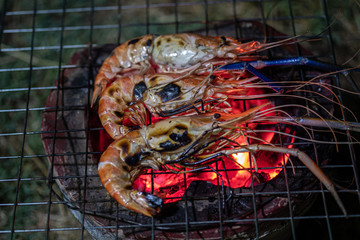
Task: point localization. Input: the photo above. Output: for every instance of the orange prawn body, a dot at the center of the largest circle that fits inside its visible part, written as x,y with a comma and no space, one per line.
167,53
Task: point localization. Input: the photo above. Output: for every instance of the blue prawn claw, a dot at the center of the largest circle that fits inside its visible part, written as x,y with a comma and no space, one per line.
254,66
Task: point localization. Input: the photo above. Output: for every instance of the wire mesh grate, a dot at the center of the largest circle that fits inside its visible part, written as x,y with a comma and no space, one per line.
38,38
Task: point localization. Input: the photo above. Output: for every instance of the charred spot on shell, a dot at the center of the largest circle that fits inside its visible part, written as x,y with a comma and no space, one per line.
126,168
128,187
133,41
111,91
158,43
169,92
149,42
124,146
133,160
119,101
179,137
183,138
169,146
139,89
118,114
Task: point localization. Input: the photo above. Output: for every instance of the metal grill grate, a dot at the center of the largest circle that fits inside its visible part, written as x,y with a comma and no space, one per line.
39,37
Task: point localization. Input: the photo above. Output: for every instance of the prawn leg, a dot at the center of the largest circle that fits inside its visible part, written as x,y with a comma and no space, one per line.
295,61
254,66
303,157
315,122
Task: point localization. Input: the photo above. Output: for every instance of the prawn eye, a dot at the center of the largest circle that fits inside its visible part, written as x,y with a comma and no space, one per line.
217,115
223,40
133,41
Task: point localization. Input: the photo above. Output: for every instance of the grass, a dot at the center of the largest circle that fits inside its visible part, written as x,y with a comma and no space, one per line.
18,151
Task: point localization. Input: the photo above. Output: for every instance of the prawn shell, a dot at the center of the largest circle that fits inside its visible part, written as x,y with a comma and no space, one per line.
133,55
176,134
182,50
134,51
117,167
114,101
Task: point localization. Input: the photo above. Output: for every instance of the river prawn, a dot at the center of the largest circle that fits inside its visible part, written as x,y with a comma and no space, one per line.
189,142
168,94
163,95
151,146
181,52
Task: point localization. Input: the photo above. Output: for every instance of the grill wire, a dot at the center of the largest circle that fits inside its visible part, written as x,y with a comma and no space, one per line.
38,38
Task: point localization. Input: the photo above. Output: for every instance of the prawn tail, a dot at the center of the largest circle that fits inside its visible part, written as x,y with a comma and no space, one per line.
96,93
100,85
140,202
116,177
106,75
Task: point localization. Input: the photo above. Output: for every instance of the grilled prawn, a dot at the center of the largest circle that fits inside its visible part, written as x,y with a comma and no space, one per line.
167,53
116,99
187,141
162,94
